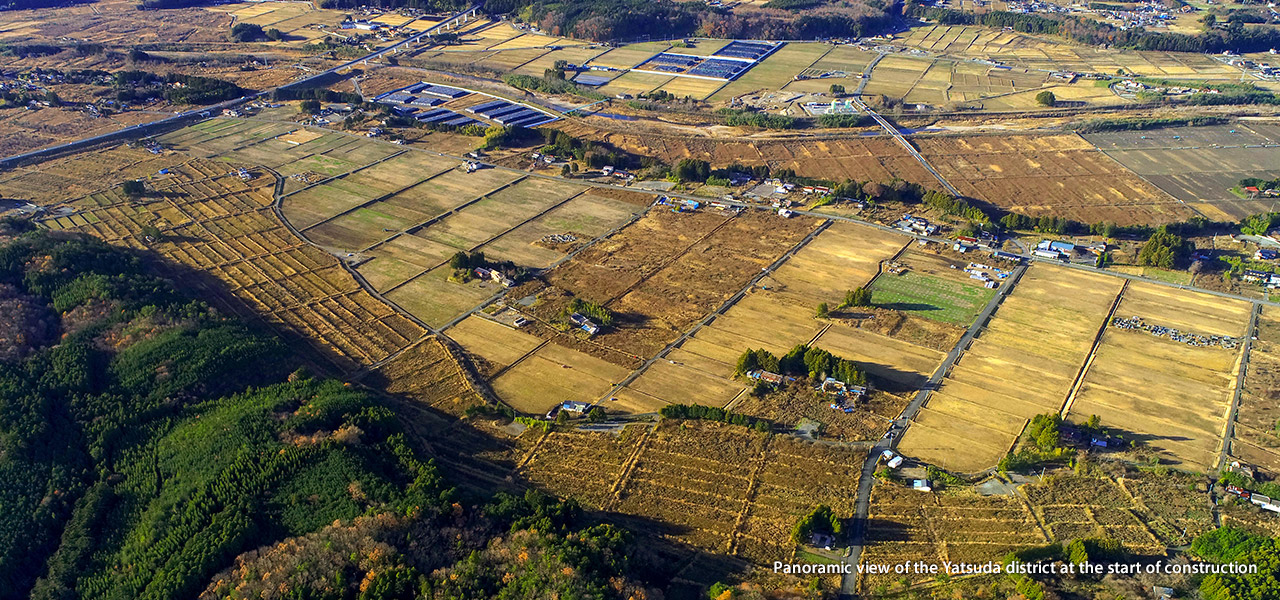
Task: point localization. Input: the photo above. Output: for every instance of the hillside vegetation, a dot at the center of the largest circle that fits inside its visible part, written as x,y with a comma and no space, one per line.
151,447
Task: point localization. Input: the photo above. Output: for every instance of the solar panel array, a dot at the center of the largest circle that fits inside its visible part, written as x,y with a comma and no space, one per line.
447,117
726,63
747,50
592,80
443,91
720,68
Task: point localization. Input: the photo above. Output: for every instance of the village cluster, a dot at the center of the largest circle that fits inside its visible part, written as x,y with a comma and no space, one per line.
1190,339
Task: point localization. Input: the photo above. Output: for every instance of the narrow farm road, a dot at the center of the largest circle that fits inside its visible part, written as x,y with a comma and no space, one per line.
866,481
1230,428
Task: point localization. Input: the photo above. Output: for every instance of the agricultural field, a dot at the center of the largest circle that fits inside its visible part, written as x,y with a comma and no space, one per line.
221,226
427,373
1200,165
1024,363
877,159
717,487
905,525
22,130
1014,49
666,271
1074,507
775,71
113,22
300,22
934,287
840,258
1256,439
1058,175
400,214
1171,396
62,179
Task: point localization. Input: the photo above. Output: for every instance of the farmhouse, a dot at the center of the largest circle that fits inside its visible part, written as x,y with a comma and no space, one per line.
1252,275
766,376
584,324
575,407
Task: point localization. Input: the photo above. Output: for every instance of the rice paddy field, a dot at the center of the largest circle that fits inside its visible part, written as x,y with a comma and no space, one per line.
905,525
300,22
402,213
1017,50
222,227
775,71
1024,363
1170,395
716,487
1256,440
1059,175
1200,165
778,313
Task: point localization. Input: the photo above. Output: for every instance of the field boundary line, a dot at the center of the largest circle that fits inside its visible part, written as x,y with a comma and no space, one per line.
378,199
1093,352
748,499
532,452
333,178
435,218
451,347
1228,428
673,258
629,467
518,360
726,305
1044,531
525,62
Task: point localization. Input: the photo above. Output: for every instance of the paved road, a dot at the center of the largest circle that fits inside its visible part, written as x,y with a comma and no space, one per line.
848,584
893,131
1230,430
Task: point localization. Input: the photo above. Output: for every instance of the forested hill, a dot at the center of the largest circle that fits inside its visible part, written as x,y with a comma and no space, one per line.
153,448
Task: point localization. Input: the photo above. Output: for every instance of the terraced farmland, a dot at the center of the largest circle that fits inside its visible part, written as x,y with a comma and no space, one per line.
216,223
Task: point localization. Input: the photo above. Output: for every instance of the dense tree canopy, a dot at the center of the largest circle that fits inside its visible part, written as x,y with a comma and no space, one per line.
153,441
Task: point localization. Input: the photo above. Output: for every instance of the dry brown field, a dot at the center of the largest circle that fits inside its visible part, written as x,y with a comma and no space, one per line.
1147,512
62,179
1256,439
116,22
718,487
214,223
666,271
905,525
427,373
779,313
1170,396
860,158
1024,363
1058,175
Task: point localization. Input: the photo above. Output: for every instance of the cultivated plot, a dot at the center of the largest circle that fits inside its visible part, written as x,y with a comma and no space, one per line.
1200,165
779,314
718,487
1256,441
1024,363
214,221
1170,395
1060,175
905,525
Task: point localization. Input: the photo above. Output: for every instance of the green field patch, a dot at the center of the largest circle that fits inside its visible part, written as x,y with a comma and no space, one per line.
931,297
